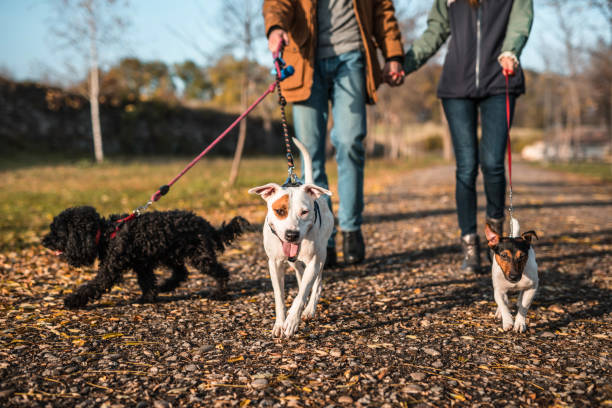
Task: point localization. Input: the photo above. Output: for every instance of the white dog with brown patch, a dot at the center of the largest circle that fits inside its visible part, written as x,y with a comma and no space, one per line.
296,230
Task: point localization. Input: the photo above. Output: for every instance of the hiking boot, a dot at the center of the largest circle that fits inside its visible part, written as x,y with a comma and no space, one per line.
353,247
331,259
470,244
497,225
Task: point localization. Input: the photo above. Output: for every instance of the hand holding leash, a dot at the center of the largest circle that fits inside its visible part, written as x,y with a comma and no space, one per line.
508,66
277,39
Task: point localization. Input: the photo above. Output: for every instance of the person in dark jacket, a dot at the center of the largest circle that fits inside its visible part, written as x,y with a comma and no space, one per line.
486,39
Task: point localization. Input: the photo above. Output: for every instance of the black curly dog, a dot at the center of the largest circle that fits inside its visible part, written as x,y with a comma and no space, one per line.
159,238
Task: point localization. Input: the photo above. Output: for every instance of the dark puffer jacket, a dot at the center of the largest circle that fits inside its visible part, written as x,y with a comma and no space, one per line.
479,35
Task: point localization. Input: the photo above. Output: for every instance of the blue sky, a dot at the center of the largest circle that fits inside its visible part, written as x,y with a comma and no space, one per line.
167,30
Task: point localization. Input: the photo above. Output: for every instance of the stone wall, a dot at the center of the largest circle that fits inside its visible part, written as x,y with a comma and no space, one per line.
43,119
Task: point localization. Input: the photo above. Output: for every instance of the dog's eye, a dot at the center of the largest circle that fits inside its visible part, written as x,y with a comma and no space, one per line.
280,212
304,213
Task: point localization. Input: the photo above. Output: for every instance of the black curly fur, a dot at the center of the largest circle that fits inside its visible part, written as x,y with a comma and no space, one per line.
154,239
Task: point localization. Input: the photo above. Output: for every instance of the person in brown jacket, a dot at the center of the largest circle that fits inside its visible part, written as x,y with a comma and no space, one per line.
332,46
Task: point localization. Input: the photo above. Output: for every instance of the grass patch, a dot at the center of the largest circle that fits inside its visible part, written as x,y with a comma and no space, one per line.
600,171
33,193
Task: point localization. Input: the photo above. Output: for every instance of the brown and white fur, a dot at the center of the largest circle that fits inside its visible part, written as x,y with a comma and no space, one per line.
297,227
514,268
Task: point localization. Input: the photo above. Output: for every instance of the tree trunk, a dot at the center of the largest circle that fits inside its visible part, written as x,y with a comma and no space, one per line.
94,92
610,117
242,130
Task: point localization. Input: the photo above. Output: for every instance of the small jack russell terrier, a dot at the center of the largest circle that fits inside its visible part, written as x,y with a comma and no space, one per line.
296,229
514,268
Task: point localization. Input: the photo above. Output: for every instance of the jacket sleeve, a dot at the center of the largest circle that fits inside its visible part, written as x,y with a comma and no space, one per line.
277,13
436,33
519,26
386,29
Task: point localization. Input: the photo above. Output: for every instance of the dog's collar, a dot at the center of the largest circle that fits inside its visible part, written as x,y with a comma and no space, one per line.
98,235
272,229
317,213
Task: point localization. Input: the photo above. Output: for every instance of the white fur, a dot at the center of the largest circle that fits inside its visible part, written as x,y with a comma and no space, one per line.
527,286
312,241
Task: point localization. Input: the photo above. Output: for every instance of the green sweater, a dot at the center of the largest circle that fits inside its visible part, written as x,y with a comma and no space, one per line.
439,29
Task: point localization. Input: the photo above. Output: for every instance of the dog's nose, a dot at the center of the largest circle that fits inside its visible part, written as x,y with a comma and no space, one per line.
292,235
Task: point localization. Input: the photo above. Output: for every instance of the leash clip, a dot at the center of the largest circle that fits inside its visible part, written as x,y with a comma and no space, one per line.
292,179
142,208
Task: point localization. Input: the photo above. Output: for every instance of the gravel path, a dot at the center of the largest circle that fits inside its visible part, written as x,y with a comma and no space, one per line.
406,328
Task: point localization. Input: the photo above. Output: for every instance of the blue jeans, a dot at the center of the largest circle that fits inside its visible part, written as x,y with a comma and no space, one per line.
462,116
341,80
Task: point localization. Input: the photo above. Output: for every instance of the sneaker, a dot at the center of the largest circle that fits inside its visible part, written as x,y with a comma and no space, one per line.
470,245
353,247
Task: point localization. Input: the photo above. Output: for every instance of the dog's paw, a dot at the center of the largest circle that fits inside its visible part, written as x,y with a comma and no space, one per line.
220,292
277,330
309,313
291,325
507,324
519,325
149,297
74,301
220,295
168,286
498,314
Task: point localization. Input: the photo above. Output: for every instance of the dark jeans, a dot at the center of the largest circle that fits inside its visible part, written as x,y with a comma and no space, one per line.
462,116
341,80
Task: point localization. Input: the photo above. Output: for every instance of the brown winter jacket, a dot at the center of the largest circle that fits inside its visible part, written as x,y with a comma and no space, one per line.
378,26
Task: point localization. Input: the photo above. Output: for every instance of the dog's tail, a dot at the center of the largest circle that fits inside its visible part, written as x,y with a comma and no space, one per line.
228,232
307,161
515,228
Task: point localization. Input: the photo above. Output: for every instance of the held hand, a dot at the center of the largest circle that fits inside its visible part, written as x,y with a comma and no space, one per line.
393,73
276,37
508,65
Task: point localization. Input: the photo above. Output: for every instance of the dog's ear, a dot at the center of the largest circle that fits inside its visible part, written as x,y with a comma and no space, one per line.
315,191
527,236
265,191
492,236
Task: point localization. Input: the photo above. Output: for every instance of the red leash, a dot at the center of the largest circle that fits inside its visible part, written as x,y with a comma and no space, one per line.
165,188
282,72
506,73
510,209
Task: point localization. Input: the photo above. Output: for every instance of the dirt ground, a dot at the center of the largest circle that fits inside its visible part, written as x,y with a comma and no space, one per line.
406,328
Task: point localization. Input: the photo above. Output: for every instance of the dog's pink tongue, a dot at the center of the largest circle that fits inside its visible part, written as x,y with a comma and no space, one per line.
290,249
